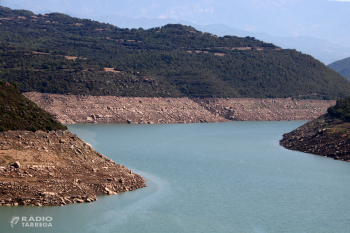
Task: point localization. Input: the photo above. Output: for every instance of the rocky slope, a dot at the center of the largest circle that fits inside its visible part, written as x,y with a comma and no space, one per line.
250,109
326,136
57,168
42,163
110,109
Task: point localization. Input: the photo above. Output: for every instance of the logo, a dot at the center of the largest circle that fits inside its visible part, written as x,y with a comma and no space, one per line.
37,221
14,220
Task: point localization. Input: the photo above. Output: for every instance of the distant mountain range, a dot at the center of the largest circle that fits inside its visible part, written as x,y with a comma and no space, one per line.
342,67
57,53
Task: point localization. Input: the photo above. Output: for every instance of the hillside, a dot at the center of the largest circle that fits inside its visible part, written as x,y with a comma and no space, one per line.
19,113
328,135
42,163
342,67
55,53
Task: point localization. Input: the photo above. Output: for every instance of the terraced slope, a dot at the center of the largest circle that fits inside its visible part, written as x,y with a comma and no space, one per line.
55,53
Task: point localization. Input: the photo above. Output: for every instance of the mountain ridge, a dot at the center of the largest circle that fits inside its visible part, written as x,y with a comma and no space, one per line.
169,61
342,67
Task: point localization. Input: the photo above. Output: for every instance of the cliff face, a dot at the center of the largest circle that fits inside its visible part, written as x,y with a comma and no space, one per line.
140,110
325,136
57,168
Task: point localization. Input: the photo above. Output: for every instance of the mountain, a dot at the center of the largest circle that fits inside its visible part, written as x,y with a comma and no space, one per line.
56,53
322,19
342,67
320,49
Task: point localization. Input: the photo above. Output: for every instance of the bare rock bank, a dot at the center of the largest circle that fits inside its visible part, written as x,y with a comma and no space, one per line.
326,136
57,168
72,109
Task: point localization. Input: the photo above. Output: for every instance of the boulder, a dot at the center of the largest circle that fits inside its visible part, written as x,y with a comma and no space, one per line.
16,164
110,192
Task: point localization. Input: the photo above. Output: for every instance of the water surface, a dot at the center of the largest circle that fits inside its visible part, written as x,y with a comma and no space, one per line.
220,177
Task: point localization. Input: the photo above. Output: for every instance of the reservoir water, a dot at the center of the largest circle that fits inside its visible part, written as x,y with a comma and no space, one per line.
223,177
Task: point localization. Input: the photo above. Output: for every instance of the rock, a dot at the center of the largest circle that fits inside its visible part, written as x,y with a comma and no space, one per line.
110,192
314,138
48,194
16,164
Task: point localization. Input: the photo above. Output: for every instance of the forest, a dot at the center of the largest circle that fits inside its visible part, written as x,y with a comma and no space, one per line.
56,53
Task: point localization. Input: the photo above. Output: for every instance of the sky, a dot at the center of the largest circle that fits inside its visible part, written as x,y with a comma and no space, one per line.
321,19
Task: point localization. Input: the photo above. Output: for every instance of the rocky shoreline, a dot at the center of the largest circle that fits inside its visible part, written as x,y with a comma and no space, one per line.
50,168
57,168
326,136
70,109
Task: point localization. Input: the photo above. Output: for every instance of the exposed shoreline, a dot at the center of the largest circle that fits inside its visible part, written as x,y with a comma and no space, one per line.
71,109
57,168
326,136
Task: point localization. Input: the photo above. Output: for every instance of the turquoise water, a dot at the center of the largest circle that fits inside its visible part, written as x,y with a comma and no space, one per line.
223,177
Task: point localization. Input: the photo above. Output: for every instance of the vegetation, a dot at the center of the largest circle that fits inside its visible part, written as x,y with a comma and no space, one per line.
19,113
342,67
56,53
49,73
341,109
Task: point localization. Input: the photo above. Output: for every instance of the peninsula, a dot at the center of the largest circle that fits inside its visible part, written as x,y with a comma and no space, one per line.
328,135
44,164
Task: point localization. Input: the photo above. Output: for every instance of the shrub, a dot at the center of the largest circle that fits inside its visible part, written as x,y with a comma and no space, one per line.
49,127
341,109
32,128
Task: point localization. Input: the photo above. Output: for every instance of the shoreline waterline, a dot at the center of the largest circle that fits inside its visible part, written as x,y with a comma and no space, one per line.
223,177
